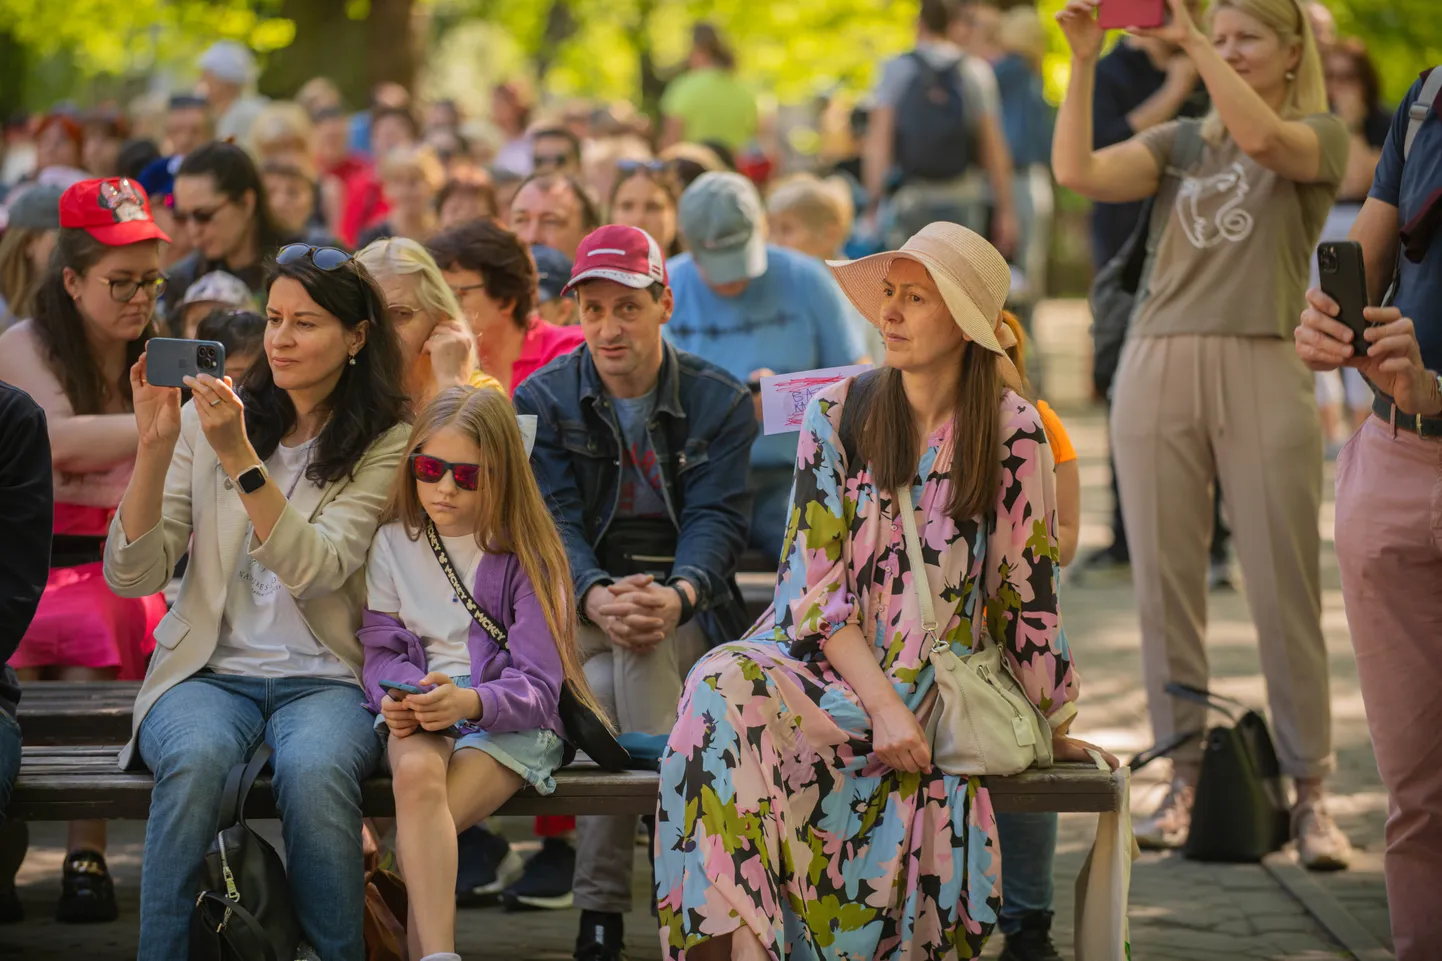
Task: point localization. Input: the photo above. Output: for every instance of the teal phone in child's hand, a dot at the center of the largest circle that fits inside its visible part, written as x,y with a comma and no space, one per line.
398,691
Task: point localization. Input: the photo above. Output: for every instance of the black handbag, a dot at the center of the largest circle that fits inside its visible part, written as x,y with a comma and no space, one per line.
243,911
1121,281
584,730
639,545
1240,813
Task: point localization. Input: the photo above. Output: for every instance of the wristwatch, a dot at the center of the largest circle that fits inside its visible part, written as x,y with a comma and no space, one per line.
252,480
688,609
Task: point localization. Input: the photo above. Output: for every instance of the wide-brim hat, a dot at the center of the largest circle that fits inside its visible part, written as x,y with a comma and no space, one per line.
972,276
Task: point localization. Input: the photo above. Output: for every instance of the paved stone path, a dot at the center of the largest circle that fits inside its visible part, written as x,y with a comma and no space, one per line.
1181,911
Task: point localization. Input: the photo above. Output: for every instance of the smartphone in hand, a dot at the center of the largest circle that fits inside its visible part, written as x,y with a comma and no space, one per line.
169,360
398,691
1121,14
1343,275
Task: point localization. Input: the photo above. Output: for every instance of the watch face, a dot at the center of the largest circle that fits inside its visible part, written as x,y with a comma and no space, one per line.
252,480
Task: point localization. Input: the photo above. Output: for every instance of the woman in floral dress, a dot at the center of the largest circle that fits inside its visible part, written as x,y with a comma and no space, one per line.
800,816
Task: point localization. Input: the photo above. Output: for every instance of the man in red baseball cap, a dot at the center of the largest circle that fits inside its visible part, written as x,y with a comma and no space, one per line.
115,212
643,454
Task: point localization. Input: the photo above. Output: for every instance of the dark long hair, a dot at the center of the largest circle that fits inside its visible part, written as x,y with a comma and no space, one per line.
366,402
886,438
61,329
234,173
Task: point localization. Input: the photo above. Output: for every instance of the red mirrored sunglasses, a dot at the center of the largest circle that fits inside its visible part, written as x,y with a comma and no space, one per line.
430,470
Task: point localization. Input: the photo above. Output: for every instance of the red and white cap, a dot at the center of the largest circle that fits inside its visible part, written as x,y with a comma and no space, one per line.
115,211
627,255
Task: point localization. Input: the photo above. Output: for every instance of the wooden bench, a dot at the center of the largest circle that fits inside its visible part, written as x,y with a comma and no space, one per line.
72,734
64,783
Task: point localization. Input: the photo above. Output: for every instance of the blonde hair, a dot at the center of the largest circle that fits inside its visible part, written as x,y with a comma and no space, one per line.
18,278
418,160
1307,93
817,203
1021,32
403,257
1017,352
281,128
511,516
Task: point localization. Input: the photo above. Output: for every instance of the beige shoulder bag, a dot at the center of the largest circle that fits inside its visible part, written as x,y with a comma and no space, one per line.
983,723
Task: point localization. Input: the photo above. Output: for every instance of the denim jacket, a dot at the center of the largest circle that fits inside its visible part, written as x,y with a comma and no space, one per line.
701,431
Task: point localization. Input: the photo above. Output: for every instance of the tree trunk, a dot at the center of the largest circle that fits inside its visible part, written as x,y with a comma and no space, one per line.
327,44
652,85
13,61
390,43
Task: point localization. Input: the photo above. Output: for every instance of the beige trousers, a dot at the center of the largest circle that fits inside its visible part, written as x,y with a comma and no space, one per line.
641,693
1187,410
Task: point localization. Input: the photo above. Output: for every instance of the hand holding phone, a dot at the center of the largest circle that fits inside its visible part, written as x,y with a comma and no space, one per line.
399,691
169,360
1343,275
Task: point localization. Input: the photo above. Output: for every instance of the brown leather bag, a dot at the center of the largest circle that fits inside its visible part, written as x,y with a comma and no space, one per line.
385,906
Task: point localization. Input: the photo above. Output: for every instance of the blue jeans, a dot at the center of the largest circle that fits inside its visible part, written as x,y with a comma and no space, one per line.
1028,846
324,745
9,759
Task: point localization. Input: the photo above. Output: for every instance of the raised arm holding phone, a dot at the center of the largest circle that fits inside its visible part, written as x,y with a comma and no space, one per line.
1207,385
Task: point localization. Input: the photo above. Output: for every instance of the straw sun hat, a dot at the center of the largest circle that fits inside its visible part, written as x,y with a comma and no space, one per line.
972,276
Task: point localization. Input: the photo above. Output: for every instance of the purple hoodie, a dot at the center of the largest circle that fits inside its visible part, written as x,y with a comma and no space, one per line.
519,687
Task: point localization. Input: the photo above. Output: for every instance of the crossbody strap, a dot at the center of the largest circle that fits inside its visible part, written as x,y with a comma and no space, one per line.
478,613
238,784
921,584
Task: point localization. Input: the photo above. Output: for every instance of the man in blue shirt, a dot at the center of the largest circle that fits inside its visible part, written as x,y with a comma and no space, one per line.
1389,517
754,309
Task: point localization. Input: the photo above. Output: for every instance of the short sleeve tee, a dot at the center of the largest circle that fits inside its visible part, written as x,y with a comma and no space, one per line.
712,105
640,494
1409,188
404,579
1062,450
1234,257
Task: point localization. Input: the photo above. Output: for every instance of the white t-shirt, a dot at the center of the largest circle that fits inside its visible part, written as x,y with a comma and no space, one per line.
403,578
262,633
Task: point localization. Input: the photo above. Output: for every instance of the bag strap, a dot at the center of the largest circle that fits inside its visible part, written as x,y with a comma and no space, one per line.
477,612
238,784
1210,699
234,912
1421,107
1162,750
921,584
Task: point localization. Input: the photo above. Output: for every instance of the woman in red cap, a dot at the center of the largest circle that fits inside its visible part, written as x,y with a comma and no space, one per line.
92,317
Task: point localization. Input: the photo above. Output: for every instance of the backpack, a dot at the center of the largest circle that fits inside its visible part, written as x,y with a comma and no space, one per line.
1119,287
933,136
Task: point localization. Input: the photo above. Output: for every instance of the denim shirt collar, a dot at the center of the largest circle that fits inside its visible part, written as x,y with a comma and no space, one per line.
668,384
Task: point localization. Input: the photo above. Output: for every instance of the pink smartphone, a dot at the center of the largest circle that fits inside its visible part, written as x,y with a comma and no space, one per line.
1121,14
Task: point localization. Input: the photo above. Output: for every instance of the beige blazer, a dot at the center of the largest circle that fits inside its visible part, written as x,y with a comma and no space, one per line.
317,551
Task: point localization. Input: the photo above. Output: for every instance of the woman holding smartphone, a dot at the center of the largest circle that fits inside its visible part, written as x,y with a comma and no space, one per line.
93,314
276,486
1208,385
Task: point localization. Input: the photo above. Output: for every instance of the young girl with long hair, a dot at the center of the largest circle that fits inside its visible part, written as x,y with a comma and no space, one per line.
488,723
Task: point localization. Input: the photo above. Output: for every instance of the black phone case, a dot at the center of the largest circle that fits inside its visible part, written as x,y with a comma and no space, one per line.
1344,278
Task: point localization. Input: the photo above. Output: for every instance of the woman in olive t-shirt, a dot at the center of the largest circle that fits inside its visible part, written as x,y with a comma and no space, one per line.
1209,385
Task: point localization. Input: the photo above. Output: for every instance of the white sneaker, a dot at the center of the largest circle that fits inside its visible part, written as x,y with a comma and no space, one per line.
1321,845
1167,827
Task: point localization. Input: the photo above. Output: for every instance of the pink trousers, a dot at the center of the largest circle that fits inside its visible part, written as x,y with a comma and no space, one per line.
1389,548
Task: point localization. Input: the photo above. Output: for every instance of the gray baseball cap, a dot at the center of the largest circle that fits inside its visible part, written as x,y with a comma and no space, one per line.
722,219
38,208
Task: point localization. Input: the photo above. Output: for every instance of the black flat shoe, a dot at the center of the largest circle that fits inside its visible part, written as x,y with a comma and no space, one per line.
87,895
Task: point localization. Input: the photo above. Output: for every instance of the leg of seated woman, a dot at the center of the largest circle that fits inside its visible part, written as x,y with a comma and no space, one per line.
740,945
325,745
191,738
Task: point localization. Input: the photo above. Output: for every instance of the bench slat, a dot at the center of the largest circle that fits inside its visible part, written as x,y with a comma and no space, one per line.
63,783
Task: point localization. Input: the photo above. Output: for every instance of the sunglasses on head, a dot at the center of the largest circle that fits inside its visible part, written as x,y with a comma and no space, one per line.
326,258
430,470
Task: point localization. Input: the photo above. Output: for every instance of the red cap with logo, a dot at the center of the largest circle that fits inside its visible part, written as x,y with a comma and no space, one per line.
627,255
115,212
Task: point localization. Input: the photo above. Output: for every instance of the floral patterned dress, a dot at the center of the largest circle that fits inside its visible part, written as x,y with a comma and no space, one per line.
774,811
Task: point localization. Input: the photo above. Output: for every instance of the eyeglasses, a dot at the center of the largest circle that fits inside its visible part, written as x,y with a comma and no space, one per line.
121,291
545,161
631,166
461,292
326,258
430,470
201,217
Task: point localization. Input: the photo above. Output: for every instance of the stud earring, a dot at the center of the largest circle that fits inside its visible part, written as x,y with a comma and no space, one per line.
1291,75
